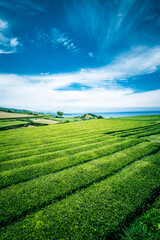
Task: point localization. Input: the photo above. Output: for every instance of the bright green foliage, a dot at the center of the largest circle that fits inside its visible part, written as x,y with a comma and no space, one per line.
6,124
11,123
155,138
92,213
81,180
43,190
65,119
60,150
140,132
21,162
146,226
60,114
40,135
29,146
141,118
52,165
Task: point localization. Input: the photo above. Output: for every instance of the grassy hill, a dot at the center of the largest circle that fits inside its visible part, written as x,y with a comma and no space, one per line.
94,179
11,118
141,118
88,116
7,115
20,111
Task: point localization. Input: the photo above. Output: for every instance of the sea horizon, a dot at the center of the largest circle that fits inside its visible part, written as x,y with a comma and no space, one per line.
116,114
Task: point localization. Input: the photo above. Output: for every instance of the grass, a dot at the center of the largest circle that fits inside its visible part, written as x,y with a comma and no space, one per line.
66,119
154,138
59,150
80,180
93,212
46,189
11,123
141,118
143,132
48,164
66,131
4,115
45,121
147,226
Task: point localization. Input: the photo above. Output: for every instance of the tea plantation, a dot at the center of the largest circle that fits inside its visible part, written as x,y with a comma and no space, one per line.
4,125
94,179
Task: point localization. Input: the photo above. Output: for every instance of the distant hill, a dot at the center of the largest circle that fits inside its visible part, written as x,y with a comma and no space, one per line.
88,116
14,110
4,115
85,116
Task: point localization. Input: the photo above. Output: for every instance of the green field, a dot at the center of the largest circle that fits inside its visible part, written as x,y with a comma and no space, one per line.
4,125
96,179
11,123
65,119
146,226
142,118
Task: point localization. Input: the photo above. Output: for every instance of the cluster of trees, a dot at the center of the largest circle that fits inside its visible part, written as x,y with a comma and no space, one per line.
59,114
90,116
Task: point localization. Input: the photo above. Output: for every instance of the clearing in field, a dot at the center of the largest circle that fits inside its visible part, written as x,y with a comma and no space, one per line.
13,115
45,121
95,179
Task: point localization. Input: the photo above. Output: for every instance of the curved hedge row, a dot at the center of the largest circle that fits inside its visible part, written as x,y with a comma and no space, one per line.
58,148
26,197
92,213
36,170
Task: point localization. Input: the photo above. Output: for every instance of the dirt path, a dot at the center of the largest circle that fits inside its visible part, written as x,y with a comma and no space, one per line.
46,121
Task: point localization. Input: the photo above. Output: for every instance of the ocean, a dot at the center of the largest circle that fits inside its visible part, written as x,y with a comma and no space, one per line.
116,114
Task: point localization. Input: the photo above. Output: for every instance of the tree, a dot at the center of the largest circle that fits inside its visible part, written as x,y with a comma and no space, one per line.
99,117
60,114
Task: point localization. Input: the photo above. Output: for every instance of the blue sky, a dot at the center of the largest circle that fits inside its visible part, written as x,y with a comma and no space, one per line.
80,55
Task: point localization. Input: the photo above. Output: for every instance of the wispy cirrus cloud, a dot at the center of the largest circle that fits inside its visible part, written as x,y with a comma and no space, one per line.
138,61
90,54
56,38
7,45
3,25
113,27
26,7
59,38
117,18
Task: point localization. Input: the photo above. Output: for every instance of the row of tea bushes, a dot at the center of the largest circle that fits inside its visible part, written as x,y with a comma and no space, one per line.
95,212
70,130
26,197
56,150
48,166
146,226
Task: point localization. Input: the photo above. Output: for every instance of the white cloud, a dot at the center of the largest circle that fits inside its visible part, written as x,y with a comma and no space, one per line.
41,35
14,42
59,38
27,7
56,38
3,39
90,54
5,52
41,92
7,45
45,74
3,25
138,61
21,92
